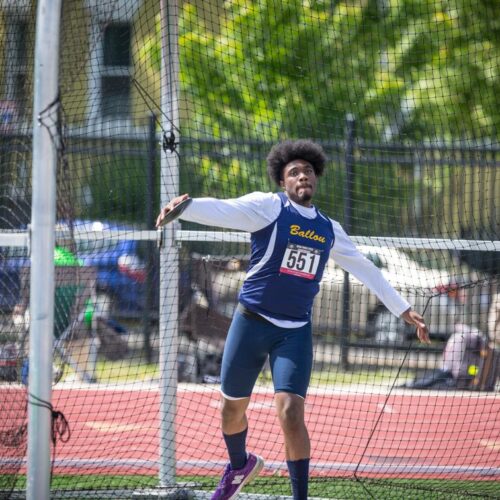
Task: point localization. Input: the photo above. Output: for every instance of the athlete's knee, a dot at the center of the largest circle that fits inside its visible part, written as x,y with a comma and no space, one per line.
290,408
233,410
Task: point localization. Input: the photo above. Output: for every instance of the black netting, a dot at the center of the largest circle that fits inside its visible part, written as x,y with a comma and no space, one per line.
158,99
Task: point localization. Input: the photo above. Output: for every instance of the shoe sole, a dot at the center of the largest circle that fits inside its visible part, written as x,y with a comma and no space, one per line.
255,472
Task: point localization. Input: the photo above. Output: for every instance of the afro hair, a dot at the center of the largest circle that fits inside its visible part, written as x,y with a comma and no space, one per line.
285,152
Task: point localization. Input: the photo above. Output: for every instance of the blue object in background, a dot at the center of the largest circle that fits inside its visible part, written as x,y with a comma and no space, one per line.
121,267
25,371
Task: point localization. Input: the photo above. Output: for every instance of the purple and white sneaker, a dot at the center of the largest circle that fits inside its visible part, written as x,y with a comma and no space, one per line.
233,480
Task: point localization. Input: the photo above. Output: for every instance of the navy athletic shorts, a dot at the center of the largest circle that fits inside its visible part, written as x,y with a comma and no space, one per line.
250,340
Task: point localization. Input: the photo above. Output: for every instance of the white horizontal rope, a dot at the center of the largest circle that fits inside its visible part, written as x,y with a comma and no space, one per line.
21,239
382,468
381,241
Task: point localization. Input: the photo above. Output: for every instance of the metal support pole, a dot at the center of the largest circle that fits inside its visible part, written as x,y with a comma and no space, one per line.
348,199
150,224
43,212
169,255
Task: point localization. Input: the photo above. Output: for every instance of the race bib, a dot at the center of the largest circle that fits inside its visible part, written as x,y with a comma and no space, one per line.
300,261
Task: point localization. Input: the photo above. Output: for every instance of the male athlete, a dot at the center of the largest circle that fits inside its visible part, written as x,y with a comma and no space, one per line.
291,241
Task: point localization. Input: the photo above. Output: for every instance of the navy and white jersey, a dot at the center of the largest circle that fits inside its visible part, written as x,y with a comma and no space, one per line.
290,245
287,262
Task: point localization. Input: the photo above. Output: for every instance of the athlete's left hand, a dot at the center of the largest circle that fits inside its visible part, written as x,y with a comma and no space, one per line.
169,207
413,318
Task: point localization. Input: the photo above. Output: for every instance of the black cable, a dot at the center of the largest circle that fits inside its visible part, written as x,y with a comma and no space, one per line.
169,142
372,433
358,479
59,425
362,484
55,102
145,94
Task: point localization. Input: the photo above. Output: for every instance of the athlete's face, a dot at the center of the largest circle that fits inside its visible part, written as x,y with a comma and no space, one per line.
299,181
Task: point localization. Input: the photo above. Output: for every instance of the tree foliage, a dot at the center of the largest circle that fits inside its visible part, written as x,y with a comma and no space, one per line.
405,68
408,70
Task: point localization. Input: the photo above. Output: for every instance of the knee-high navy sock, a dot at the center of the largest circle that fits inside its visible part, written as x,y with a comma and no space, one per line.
299,477
236,448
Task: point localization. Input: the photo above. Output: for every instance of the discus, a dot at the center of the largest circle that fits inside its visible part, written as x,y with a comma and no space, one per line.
176,211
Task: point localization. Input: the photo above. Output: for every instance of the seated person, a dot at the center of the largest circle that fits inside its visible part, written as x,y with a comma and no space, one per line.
462,361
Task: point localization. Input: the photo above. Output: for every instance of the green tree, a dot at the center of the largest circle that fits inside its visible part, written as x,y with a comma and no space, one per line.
405,68
408,70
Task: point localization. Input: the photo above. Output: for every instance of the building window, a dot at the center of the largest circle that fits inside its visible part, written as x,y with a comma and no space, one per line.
116,71
17,62
115,96
117,45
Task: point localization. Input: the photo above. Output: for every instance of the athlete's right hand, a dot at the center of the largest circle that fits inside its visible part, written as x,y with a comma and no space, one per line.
414,318
169,206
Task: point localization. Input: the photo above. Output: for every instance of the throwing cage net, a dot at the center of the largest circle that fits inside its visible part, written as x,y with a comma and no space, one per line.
161,98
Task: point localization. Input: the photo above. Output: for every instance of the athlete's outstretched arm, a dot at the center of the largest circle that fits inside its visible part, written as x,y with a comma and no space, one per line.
345,253
250,213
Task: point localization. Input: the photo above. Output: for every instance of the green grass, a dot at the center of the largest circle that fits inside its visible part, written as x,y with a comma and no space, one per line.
125,370
134,370
379,377
380,489
348,488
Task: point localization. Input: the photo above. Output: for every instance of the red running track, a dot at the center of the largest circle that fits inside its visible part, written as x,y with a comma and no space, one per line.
411,435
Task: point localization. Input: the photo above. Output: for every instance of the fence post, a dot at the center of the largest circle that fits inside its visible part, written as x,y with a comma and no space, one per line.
43,214
169,255
350,137
150,224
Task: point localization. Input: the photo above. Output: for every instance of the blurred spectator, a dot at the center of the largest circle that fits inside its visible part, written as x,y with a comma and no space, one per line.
466,342
462,360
